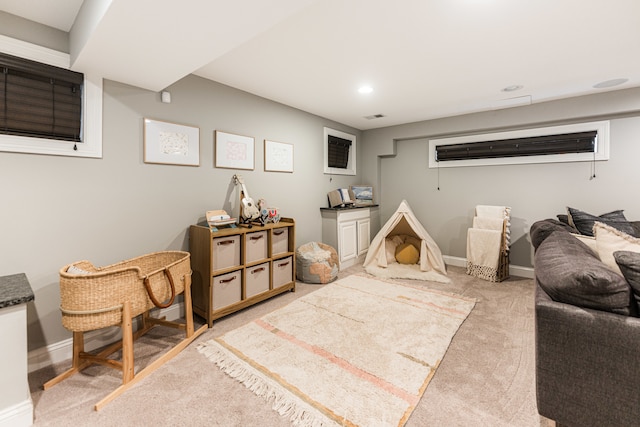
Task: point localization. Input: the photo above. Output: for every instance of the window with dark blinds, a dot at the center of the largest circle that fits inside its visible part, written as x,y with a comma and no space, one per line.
576,142
39,100
338,152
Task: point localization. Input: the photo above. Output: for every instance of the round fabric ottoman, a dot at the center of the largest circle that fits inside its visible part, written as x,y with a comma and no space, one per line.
316,263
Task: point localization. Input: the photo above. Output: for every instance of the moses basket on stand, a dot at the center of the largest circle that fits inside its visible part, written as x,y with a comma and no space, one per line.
97,297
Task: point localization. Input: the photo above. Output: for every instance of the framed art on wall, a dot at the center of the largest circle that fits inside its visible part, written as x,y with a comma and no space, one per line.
278,156
171,143
234,151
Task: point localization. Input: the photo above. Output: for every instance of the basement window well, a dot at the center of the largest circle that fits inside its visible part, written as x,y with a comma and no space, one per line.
339,152
45,107
567,143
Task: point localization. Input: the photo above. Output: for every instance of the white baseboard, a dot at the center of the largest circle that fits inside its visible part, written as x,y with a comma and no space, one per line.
18,415
514,270
63,350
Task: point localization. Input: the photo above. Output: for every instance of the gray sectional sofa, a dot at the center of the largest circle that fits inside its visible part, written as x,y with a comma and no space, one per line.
587,330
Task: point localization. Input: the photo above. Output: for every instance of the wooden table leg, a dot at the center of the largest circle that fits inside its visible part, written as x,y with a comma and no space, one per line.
127,344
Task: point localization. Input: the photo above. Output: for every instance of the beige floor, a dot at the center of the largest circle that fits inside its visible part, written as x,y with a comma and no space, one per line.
485,379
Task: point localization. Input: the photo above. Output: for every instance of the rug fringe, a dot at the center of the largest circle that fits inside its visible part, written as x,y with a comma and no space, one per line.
281,399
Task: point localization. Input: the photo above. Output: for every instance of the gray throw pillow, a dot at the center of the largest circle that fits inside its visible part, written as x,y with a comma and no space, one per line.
569,272
583,221
563,218
629,263
540,230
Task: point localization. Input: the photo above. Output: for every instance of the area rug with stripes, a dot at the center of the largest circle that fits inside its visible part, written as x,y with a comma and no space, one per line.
360,351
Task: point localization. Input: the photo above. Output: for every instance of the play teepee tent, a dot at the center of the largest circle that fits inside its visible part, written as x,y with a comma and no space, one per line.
403,224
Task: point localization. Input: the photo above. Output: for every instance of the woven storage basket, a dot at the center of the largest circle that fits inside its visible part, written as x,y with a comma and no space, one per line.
93,299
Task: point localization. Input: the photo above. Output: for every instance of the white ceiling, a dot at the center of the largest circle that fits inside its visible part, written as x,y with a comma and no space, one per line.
424,59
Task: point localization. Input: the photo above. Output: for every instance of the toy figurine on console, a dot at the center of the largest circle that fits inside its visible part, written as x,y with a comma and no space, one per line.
249,211
267,214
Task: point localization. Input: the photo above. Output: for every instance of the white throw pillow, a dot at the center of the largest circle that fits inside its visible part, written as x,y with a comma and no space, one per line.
610,240
587,240
390,249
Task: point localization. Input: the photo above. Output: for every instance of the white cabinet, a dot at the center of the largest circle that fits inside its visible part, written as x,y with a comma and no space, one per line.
364,235
349,232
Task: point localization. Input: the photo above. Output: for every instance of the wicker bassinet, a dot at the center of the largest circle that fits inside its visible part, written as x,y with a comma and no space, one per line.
92,297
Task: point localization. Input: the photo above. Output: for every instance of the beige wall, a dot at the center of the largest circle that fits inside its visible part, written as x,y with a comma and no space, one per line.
57,210
396,159
22,29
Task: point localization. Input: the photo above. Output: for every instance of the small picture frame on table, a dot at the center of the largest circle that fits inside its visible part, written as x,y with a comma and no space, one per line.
363,194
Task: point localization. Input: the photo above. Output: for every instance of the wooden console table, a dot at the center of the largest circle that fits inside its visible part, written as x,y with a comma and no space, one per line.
234,268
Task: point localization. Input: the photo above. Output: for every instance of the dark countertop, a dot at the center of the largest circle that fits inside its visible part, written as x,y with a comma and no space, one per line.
347,208
15,289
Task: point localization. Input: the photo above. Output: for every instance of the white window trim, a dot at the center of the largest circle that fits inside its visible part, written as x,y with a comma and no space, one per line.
602,146
351,164
91,145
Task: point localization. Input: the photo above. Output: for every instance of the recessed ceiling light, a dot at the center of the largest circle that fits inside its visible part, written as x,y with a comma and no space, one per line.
365,89
610,83
512,88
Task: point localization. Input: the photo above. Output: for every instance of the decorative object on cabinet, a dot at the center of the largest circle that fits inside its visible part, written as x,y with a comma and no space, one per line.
219,218
348,231
278,156
362,194
316,263
171,143
340,197
234,151
97,297
249,211
267,214
236,268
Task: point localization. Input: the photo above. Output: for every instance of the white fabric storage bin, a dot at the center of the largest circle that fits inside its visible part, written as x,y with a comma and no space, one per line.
257,279
227,289
279,241
282,271
225,252
256,246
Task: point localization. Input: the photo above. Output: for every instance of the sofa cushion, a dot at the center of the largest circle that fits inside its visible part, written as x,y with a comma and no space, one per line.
390,245
563,218
406,253
583,221
589,241
629,263
569,272
540,230
610,240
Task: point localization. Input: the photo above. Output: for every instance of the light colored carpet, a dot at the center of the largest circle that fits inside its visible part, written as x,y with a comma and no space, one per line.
485,379
358,352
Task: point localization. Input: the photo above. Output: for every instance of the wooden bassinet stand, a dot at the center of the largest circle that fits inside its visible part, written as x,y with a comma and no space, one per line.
97,297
